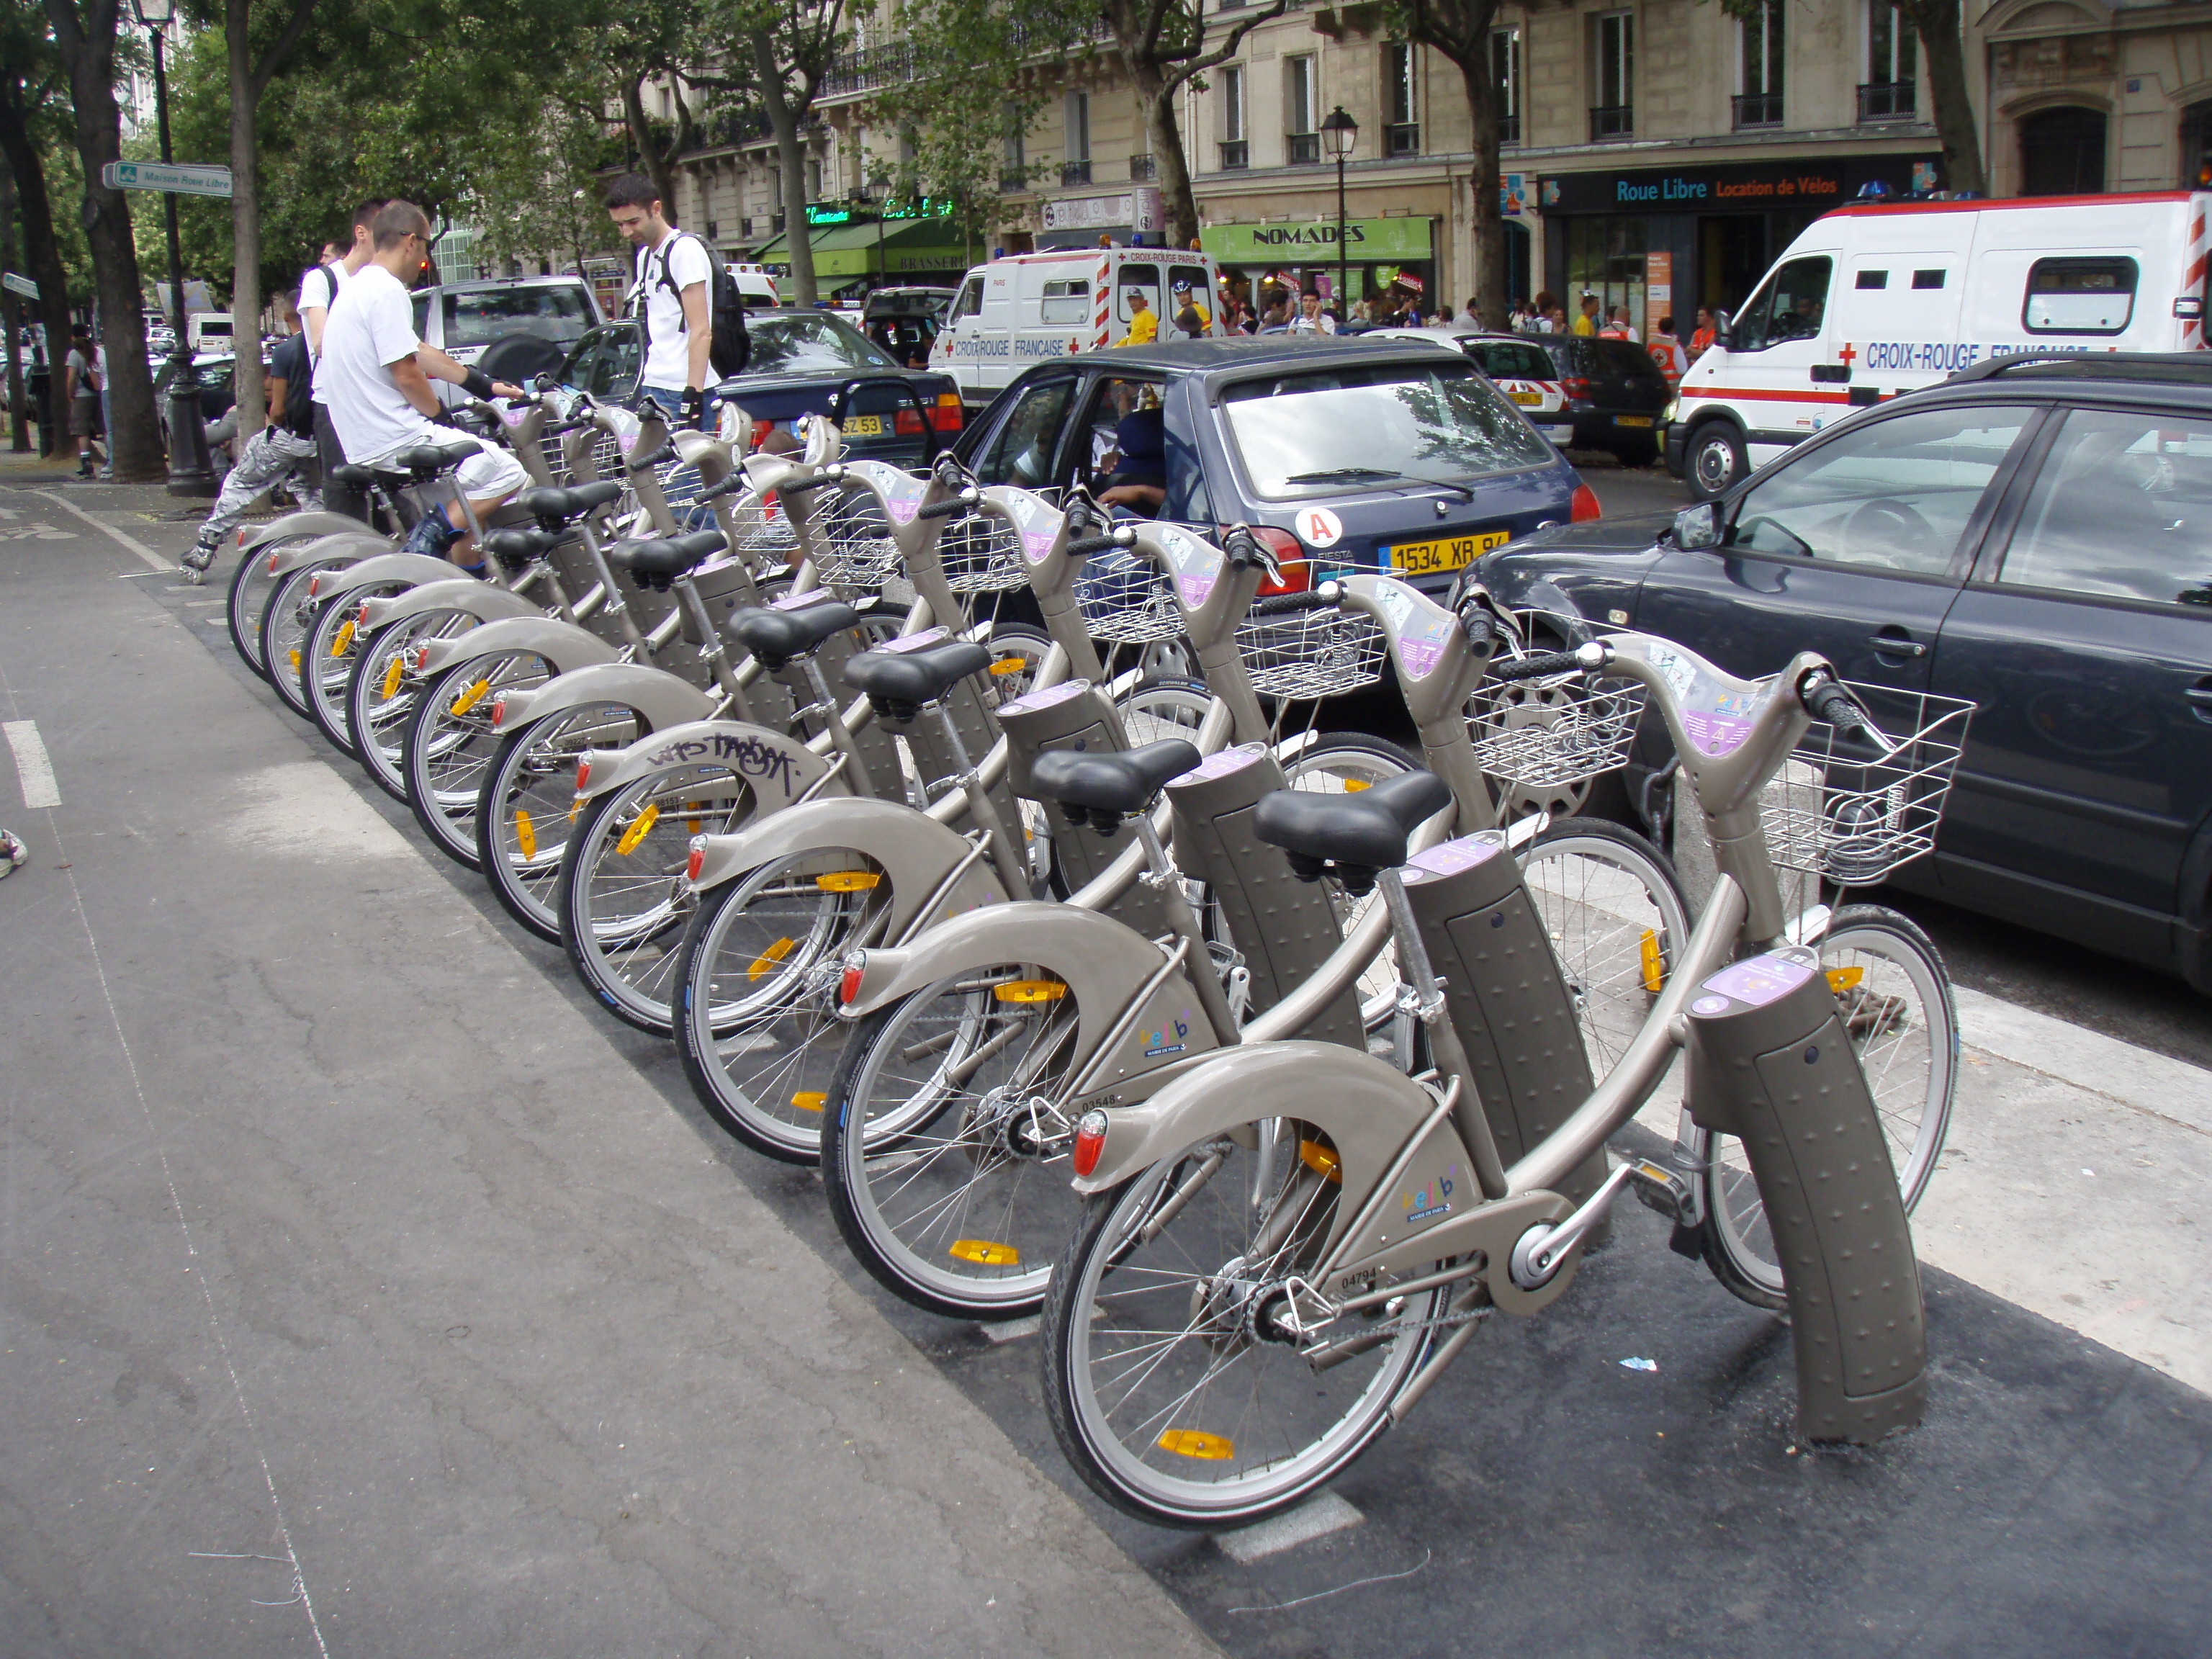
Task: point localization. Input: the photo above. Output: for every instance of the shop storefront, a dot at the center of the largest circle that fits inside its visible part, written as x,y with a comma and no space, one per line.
1304,255
1663,240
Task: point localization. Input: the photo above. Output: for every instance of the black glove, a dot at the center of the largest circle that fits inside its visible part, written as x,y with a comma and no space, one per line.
692,413
477,385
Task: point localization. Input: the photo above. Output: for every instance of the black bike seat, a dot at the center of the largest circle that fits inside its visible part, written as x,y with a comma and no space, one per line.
358,478
552,507
1111,781
425,459
776,636
1366,830
519,546
658,561
899,682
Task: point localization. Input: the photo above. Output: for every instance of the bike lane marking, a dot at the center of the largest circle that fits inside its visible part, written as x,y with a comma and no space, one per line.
153,559
35,769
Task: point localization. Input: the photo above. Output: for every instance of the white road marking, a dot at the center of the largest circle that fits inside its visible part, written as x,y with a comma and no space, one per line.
34,770
153,559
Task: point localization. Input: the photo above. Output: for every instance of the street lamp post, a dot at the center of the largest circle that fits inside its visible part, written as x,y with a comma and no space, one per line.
191,472
1339,131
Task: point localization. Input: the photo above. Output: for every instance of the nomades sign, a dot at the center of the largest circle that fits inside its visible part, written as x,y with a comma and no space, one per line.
1364,239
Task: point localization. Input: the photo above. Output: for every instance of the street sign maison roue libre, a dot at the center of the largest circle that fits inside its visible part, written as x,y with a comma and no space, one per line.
178,178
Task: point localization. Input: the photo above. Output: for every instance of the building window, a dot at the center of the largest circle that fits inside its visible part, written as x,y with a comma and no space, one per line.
1299,97
1076,120
1506,70
1236,143
1893,64
813,179
2061,153
1401,102
1613,115
1759,67
1014,174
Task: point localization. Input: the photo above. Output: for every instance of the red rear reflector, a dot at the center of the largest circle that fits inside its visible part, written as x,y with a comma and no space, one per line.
1585,505
583,775
498,710
691,866
848,986
1090,1141
314,584
360,616
275,559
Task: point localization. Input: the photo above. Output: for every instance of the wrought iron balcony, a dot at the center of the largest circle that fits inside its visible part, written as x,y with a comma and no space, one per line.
1757,109
1611,121
1886,101
1074,173
1303,148
1509,128
1143,168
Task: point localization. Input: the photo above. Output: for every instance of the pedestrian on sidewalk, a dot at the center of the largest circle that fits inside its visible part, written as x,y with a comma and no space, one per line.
83,384
319,287
1586,322
673,294
285,448
1618,327
1311,319
375,375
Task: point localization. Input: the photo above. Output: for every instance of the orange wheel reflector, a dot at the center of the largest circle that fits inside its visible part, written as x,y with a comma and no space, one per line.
811,1101
983,1253
695,824
469,698
768,958
638,831
392,676
1321,1160
1197,1442
344,642
1031,990
1655,965
525,833
575,806
1010,664
1353,786
1841,980
848,881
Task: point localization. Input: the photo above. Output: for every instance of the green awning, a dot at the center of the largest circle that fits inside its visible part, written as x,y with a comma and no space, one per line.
853,250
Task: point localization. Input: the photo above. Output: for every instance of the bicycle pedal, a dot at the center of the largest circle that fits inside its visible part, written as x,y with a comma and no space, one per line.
1660,1188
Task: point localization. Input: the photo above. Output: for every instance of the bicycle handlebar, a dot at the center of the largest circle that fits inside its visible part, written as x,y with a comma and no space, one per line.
1582,659
800,486
652,458
1479,627
1830,699
1277,605
1084,548
729,486
952,506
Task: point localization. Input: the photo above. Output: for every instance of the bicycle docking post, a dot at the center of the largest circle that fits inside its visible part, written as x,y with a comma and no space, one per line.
1771,1063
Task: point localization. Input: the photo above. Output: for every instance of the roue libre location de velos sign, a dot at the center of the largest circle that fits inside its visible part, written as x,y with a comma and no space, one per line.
179,179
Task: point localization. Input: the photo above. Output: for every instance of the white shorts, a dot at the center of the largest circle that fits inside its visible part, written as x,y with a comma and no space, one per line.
491,471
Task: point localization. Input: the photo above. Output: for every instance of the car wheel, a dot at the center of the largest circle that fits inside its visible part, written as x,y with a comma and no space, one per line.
1714,460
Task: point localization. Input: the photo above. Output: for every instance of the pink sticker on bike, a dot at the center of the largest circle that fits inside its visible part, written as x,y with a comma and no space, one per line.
1029,702
1760,979
1715,734
1218,765
915,641
1454,856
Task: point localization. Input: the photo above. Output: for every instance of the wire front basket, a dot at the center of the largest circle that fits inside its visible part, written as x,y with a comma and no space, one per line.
981,553
853,544
1842,809
1552,735
1300,647
1126,600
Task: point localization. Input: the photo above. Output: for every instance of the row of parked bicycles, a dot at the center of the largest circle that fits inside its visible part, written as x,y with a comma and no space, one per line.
988,852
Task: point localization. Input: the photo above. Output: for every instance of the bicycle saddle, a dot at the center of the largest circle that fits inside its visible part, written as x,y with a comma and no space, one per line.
898,682
776,636
516,547
656,563
424,460
1110,783
358,478
1359,833
553,508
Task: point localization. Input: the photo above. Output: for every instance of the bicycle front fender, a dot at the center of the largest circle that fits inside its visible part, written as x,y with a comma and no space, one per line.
660,698
416,569
1104,964
289,526
562,644
914,853
780,769
463,593
349,545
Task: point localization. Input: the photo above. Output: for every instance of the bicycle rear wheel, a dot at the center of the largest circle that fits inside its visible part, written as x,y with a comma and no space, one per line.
381,695
326,661
1895,999
527,800
451,742
286,621
251,587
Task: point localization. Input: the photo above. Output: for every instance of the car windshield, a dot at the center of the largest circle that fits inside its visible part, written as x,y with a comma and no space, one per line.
554,311
1309,432
807,342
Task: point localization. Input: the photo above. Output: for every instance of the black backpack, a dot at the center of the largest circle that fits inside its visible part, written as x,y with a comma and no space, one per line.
732,347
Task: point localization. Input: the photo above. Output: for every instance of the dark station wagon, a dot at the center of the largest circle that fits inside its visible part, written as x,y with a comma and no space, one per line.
1354,456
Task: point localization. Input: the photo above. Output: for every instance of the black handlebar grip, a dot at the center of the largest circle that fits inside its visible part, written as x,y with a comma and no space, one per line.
729,486
1479,627
1277,605
1827,700
652,458
950,507
1242,549
1087,546
1537,668
800,486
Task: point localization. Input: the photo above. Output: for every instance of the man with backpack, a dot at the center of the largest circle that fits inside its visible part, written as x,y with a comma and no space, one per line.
286,447
688,305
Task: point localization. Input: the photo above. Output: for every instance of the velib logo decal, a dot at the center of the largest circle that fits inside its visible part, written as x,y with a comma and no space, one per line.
1425,1203
1157,1043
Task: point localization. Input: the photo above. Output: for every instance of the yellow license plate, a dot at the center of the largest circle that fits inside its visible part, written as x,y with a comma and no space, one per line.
1527,399
1631,420
1452,553
863,426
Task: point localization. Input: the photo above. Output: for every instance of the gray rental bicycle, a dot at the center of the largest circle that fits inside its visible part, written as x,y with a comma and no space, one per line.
952,1117
1280,1251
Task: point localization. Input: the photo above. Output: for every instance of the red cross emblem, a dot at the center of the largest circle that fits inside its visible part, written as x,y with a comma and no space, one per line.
1848,355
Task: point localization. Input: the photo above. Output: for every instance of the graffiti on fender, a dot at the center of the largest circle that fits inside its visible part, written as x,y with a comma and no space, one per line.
749,756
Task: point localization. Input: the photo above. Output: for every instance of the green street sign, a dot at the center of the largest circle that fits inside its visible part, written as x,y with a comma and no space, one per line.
179,179
1315,243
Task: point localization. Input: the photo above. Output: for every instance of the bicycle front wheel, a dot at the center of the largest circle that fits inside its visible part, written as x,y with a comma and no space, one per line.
1173,1385
381,695
326,662
286,622
1895,1000
451,742
524,809
251,587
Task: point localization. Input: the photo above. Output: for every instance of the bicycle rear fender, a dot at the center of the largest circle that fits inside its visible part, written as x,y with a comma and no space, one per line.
289,525
780,769
416,568
562,644
464,594
1104,963
349,545
657,695
914,853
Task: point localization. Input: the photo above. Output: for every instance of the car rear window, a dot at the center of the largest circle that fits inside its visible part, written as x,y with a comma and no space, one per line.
1505,359
805,341
1363,427
1626,359
555,311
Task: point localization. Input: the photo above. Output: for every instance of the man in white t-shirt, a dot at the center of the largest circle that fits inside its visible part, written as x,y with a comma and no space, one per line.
374,378
671,289
319,287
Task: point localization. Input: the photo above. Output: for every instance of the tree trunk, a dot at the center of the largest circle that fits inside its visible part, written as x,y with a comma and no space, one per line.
791,162
245,225
1170,166
1489,223
88,49
19,425
1937,23
649,152
43,255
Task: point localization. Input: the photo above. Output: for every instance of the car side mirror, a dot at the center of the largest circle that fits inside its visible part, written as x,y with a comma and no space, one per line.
1699,526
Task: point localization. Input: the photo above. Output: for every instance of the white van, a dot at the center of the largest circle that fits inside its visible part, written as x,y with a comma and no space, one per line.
1016,312
208,330
1875,300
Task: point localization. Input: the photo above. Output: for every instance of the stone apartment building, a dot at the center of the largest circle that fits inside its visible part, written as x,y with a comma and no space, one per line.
1659,153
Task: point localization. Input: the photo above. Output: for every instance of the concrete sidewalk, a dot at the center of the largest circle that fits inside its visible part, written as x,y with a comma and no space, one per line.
356,1295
